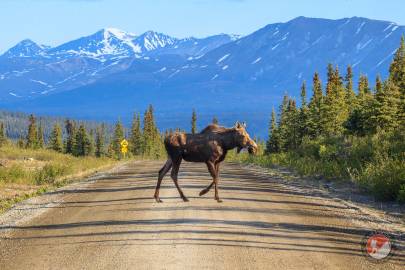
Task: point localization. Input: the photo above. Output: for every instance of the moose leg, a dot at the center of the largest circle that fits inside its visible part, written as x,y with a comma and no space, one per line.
213,172
162,173
205,190
175,171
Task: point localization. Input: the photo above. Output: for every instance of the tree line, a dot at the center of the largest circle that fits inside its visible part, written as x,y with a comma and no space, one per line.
337,110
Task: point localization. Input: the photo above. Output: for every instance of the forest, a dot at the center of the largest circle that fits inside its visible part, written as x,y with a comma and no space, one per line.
343,134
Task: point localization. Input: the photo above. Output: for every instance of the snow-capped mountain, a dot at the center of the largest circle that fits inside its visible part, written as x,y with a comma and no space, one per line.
26,48
102,45
222,74
29,70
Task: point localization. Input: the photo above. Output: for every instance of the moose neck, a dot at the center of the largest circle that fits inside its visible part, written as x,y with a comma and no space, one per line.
228,140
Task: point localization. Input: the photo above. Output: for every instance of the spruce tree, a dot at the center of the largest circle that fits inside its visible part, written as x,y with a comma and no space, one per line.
3,138
152,141
303,114
350,95
32,136
215,120
273,143
397,77
83,146
334,110
117,138
70,143
99,152
194,122
360,120
135,141
314,108
387,106
55,140
41,141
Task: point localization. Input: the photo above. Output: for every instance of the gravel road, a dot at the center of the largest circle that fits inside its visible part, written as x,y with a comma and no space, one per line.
112,222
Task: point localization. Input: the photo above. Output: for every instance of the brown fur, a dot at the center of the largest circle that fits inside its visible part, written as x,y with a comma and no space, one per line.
209,146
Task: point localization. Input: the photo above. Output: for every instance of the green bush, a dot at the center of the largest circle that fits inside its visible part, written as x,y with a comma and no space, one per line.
49,173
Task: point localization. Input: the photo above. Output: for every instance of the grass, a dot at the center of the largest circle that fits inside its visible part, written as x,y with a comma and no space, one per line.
25,172
375,163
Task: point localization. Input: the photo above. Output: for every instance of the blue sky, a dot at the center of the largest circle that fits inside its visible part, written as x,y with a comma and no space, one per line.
53,22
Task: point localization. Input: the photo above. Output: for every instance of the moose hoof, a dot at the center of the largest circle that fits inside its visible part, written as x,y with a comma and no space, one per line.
219,200
203,192
185,199
158,200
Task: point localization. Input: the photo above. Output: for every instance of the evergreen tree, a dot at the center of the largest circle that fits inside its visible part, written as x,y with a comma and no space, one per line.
303,114
41,141
152,142
334,110
55,140
397,67
100,141
83,145
215,120
3,138
387,106
360,121
273,144
70,143
314,108
32,136
117,138
194,122
350,95
291,139
397,77
135,141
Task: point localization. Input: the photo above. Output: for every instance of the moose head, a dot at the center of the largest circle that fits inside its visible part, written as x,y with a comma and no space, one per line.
243,139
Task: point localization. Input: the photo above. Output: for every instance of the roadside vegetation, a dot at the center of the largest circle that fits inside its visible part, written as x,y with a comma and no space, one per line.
35,161
343,135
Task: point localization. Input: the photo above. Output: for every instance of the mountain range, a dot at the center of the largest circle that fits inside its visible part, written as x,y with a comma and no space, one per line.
113,73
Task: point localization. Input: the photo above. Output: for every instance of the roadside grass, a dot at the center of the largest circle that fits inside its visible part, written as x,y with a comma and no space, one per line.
25,172
376,164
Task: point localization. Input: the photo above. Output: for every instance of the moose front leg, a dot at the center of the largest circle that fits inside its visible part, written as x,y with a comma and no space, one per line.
214,173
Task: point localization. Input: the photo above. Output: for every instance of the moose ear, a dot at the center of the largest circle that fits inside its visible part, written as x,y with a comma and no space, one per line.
237,124
244,124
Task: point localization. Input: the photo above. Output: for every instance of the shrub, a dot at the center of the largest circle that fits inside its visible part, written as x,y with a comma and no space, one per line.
49,173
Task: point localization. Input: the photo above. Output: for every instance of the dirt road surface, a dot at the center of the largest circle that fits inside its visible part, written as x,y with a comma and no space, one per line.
114,223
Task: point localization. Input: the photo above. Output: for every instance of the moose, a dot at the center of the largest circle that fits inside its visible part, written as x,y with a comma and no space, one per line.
209,146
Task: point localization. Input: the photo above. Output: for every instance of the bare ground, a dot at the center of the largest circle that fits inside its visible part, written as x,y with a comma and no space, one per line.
111,222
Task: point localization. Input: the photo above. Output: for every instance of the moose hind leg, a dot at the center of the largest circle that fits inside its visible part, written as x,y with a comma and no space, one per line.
205,190
162,173
214,174
174,173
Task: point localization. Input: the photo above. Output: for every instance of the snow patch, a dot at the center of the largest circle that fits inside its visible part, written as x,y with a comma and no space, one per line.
161,70
257,60
174,73
14,95
386,58
274,47
223,58
40,82
360,27
360,47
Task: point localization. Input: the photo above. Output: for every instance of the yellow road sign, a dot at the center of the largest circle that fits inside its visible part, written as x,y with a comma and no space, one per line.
124,143
124,150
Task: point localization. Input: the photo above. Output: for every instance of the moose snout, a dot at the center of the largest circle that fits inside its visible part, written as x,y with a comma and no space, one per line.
252,148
